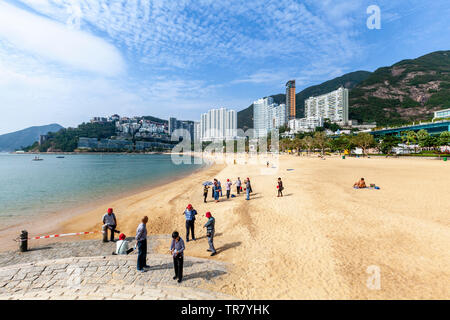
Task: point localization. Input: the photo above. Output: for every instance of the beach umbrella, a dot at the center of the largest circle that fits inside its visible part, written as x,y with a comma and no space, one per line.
207,183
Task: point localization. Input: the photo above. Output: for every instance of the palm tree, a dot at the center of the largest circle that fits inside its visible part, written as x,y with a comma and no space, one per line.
308,142
410,137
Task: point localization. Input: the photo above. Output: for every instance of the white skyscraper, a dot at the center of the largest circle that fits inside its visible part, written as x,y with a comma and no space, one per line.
332,105
268,115
218,124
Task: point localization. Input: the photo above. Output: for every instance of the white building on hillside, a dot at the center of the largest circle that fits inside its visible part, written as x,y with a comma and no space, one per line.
268,115
305,124
332,105
218,124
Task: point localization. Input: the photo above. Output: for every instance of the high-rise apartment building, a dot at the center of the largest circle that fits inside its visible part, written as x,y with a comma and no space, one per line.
332,106
181,124
290,98
218,124
268,115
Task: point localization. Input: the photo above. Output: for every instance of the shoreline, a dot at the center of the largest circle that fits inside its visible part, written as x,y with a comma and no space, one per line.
323,232
52,222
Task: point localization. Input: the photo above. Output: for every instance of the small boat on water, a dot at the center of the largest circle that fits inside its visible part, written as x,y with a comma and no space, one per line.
37,159
60,157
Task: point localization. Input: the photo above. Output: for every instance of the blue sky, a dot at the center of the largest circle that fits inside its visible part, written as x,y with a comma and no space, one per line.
66,61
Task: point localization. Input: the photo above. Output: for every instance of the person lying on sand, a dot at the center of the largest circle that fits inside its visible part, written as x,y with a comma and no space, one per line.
360,184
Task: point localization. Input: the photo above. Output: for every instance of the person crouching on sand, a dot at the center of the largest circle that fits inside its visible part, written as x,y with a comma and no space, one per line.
177,251
280,187
360,184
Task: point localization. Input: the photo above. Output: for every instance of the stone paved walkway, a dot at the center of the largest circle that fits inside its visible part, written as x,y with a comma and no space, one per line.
32,275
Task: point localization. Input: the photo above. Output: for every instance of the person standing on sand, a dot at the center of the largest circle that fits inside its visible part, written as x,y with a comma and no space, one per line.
247,188
141,242
238,185
220,187
212,191
210,229
228,186
280,188
216,191
251,190
205,192
177,251
190,213
109,219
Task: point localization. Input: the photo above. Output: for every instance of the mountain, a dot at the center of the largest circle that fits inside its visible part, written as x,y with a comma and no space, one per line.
407,91
22,138
349,81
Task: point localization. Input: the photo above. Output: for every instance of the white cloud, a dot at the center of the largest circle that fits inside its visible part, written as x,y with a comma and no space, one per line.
58,43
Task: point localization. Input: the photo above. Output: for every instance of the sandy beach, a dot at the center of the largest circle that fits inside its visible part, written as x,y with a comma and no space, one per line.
317,241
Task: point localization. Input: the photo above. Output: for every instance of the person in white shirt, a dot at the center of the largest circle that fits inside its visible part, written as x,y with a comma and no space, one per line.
109,219
228,187
122,245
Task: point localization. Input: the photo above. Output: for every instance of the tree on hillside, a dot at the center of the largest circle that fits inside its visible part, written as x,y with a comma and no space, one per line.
364,140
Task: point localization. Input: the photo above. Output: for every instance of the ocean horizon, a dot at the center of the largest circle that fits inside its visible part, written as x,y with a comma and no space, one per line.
29,188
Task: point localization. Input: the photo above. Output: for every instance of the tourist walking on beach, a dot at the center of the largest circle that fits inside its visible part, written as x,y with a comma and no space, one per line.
280,187
177,251
190,213
110,221
220,187
247,188
212,191
228,186
238,185
251,190
210,229
205,192
216,191
141,242
122,245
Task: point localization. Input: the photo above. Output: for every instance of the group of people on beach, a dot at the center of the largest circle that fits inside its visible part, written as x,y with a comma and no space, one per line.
216,191
177,245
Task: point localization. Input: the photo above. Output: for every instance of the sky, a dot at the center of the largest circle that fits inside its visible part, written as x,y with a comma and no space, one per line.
66,61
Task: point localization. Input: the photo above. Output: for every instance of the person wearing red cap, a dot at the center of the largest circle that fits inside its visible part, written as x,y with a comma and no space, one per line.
110,221
122,245
190,213
228,186
210,229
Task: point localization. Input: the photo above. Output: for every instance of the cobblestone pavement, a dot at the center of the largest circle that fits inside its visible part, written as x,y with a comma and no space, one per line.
60,250
37,275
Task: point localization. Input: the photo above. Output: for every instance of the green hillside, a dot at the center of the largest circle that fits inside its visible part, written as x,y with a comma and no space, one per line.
407,91
22,138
